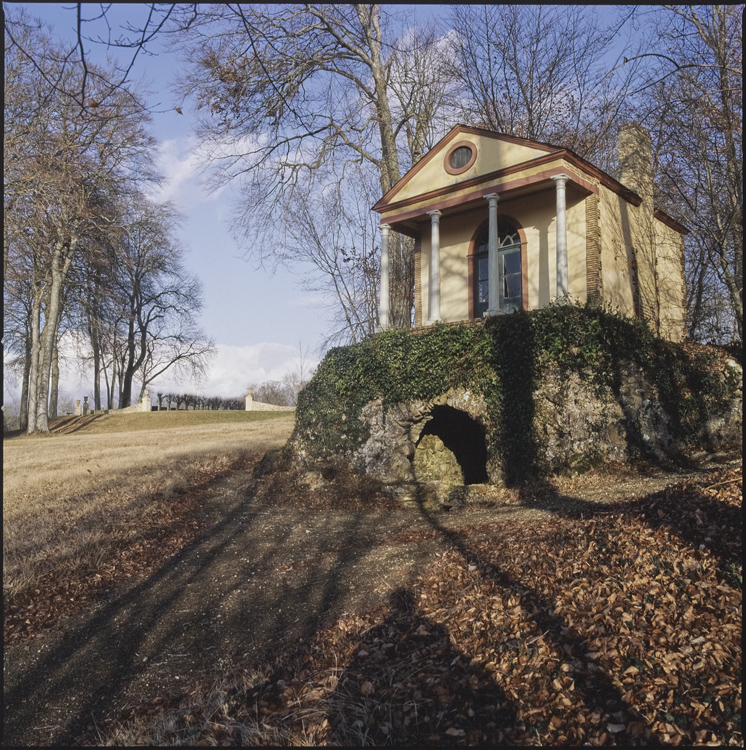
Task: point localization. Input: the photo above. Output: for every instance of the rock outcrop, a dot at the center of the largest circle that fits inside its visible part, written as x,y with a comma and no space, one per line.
496,424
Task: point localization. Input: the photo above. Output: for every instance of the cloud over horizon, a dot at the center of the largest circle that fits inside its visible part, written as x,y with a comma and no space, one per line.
231,372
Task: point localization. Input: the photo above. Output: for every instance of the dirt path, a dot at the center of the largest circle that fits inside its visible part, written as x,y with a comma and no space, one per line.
255,578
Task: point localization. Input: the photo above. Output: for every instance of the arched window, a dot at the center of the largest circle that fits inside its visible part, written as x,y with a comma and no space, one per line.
509,270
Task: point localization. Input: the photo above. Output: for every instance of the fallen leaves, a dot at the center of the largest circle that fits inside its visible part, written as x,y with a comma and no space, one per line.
620,629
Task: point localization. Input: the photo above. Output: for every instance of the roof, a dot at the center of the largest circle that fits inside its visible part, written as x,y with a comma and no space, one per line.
512,154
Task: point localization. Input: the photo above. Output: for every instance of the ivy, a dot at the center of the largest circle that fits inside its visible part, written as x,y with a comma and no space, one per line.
505,358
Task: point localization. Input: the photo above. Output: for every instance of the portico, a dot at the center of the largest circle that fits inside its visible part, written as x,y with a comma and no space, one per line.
502,223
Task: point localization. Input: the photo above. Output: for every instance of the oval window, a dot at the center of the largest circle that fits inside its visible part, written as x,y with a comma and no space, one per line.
460,157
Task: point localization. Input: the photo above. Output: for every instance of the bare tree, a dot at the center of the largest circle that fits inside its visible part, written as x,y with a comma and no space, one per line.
136,37
291,92
66,166
290,89
158,301
332,231
692,103
539,72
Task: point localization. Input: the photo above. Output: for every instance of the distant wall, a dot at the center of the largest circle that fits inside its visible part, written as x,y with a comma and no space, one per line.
252,405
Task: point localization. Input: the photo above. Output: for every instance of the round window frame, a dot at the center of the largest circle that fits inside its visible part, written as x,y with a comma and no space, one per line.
468,165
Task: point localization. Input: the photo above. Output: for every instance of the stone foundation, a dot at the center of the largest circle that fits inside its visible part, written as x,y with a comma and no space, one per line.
578,424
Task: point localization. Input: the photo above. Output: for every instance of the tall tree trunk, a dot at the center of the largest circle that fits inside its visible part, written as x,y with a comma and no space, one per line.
96,372
55,383
23,415
106,387
61,260
33,379
401,251
128,370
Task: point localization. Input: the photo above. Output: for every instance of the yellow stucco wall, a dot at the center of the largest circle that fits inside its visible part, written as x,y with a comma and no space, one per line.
670,282
536,216
655,267
614,221
492,154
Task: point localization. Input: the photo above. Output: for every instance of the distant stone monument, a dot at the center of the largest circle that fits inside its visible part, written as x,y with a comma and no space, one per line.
249,400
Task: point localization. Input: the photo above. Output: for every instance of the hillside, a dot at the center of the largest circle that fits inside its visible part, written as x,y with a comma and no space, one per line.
223,607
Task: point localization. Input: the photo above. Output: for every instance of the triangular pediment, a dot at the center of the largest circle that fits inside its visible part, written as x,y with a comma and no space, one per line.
443,168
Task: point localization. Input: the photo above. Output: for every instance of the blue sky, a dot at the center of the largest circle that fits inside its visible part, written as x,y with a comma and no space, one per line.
258,319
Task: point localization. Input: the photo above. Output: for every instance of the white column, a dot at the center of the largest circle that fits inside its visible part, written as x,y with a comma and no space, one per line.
434,297
383,297
560,181
493,304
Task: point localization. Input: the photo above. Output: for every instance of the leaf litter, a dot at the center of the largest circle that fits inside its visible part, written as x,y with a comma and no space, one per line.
615,629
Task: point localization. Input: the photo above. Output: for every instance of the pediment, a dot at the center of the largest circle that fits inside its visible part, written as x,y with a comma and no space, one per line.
464,154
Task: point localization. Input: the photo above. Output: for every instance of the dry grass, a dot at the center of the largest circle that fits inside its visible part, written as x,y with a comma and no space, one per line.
73,502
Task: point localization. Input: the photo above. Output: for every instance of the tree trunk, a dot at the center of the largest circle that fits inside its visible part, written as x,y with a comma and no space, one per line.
401,251
60,265
125,377
96,374
33,380
23,415
55,383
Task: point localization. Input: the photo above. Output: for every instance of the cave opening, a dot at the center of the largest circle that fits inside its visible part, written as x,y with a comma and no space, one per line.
464,437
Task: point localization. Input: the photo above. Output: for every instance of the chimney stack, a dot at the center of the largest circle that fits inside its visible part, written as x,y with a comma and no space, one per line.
636,161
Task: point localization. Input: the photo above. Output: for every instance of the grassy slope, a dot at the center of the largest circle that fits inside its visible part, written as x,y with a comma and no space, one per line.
158,420
62,490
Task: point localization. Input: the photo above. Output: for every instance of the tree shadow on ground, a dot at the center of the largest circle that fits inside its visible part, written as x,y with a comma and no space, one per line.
216,601
593,689
224,586
702,522
407,684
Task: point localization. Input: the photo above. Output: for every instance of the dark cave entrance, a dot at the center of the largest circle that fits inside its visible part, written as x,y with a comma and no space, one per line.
464,437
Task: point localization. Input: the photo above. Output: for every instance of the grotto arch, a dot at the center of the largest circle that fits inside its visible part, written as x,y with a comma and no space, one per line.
464,437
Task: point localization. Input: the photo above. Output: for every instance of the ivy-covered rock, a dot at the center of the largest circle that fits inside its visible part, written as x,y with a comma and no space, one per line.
516,397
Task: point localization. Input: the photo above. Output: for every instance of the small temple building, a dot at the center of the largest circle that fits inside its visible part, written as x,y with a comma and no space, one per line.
502,223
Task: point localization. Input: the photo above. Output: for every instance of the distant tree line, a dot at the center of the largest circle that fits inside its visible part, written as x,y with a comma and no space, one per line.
193,401
279,393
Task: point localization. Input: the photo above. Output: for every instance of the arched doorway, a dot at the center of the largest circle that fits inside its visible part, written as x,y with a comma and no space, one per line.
463,437
511,261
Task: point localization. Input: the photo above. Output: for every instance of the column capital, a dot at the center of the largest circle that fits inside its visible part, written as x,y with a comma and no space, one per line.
434,213
560,179
384,227
490,196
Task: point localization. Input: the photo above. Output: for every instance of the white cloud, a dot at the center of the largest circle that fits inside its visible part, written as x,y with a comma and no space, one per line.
185,165
231,372
235,368
179,166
